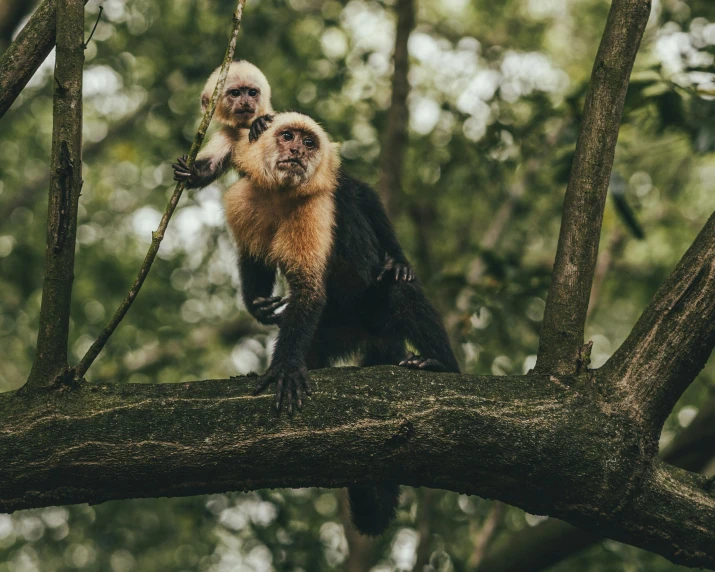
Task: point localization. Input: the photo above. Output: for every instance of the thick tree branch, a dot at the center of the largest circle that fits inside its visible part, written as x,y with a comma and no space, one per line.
20,61
395,139
569,455
65,187
567,303
671,341
552,541
158,235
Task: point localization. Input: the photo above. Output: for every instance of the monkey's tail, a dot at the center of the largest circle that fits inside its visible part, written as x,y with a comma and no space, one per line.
373,507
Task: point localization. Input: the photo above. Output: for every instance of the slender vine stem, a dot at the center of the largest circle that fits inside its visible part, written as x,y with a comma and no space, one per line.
158,235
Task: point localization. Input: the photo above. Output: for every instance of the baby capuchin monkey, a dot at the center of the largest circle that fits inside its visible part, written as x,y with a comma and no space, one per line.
246,97
297,212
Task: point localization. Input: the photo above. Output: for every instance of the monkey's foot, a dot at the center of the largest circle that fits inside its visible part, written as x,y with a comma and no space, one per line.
291,385
264,309
400,270
413,361
259,125
182,172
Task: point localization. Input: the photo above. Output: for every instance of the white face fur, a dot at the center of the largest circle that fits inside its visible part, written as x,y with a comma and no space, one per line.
246,95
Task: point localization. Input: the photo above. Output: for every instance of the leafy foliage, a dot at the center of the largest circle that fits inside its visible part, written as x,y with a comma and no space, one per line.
497,92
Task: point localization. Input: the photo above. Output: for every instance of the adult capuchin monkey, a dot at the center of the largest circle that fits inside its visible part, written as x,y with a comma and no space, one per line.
246,97
295,211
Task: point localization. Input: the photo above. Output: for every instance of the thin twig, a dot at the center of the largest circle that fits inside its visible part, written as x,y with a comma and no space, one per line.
158,235
486,534
101,9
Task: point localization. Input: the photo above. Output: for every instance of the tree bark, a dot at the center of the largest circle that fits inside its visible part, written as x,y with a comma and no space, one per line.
567,302
546,544
569,454
65,187
395,139
31,47
672,340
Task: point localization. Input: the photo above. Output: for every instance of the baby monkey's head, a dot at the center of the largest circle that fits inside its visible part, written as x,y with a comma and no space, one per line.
294,155
246,95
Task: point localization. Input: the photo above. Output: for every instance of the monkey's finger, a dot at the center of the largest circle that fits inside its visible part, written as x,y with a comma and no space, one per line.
265,382
306,386
299,394
279,392
431,364
289,398
408,357
397,274
382,273
272,307
261,302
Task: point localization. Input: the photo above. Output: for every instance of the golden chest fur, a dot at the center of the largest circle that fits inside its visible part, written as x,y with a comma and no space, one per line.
295,233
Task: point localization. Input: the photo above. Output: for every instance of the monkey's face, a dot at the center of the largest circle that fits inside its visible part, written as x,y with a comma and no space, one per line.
297,155
240,103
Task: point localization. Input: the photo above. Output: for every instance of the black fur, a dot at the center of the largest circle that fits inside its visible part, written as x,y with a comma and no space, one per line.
202,173
359,314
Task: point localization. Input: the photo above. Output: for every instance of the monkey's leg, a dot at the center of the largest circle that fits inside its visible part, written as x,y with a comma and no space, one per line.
411,316
384,351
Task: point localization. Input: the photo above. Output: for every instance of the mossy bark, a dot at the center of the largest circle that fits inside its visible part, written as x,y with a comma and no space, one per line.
549,445
562,329
546,544
65,188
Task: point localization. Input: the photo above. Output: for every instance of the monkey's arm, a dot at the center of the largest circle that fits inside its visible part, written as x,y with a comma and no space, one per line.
212,162
257,279
395,262
259,125
300,319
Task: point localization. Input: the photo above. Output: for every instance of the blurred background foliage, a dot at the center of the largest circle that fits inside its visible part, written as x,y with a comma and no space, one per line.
496,95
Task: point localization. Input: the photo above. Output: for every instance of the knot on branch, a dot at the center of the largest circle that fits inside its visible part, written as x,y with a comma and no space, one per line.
405,430
584,357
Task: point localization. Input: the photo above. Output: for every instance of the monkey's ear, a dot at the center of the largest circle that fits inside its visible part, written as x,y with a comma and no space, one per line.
204,102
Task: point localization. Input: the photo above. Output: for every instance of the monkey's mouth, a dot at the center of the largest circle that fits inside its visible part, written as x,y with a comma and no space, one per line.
245,112
288,163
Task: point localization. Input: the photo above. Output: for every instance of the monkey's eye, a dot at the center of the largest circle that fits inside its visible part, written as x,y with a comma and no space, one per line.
235,92
253,92
287,136
309,143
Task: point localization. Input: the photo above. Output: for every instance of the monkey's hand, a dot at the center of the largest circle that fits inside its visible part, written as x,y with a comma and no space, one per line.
400,270
264,310
413,361
182,172
259,125
291,385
